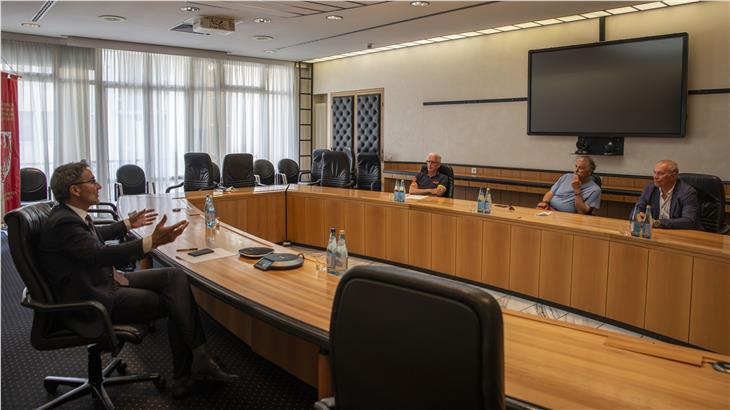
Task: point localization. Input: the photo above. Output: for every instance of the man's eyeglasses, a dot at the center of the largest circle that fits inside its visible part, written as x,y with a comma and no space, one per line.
92,180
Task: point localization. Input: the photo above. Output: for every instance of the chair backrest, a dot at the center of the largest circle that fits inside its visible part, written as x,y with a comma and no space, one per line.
710,198
428,342
24,235
317,164
290,169
238,170
198,171
336,169
449,172
597,179
132,180
33,185
215,173
265,170
368,172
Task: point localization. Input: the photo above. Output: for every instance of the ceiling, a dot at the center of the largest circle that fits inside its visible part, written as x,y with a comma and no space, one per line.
300,30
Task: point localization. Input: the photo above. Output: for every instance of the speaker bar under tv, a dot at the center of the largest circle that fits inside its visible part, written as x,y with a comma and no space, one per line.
623,88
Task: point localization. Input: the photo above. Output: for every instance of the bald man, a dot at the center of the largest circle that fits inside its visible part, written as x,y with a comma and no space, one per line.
673,202
431,182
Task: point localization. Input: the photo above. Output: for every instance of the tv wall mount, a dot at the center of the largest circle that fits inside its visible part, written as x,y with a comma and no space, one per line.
607,146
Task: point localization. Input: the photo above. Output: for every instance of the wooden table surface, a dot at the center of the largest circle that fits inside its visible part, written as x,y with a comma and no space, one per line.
549,363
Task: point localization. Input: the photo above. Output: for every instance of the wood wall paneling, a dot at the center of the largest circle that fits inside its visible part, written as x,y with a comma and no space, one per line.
315,233
524,263
626,291
375,219
496,251
710,313
296,218
419,239
334,215
443,243
469,245
355,227
396,234
556,262
295,355
590,274
668,293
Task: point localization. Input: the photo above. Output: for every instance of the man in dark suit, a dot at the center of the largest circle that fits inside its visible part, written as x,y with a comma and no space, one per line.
81,266
673,202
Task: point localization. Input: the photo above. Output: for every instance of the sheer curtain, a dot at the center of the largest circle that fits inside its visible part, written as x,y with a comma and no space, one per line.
116,107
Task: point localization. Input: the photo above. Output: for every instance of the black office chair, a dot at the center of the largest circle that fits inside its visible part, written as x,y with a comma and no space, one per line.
317,164
49,331
238,170
33,185
428,343
368,172
711,201
199,173
449,172
289,171
264,172
215,174
336,170
597,179
131,180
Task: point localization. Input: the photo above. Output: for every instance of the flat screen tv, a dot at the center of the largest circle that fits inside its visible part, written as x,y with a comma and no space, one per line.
634,87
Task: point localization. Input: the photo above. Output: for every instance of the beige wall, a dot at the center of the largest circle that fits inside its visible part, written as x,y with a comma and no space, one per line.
495,66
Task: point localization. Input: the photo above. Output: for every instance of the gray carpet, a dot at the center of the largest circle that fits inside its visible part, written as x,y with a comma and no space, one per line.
262,385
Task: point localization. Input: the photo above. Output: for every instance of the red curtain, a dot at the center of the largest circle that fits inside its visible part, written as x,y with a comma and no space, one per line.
10,143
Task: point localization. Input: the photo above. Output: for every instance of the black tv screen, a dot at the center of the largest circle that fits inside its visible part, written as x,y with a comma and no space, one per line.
635,87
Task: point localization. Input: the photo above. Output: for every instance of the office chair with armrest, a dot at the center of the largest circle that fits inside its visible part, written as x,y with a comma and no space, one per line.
238,170
289,171
33,185
264,172
316,167
215,174
449,172
368,172
49,331
131,180
336,170
429,343
711,201
199,173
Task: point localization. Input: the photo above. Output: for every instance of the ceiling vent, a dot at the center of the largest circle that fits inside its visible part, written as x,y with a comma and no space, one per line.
42,11
221,26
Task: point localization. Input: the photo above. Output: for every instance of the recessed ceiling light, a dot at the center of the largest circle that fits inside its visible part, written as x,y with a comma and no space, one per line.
111,19
333,17
596,14
470,34
678,2
30,24
190,9
409,44
438,39
420,3
548,22
507,28
650,6
262,37
568,19
622,10
527,25
489,31
423,42
262,20
454,36
269,51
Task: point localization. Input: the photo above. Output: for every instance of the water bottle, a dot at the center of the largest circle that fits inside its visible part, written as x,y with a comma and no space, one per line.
480,200
341,254
488,202
332,252
636,222
396,192
647,224
210,220
402,192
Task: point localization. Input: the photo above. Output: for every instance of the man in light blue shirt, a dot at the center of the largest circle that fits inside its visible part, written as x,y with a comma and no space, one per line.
576,192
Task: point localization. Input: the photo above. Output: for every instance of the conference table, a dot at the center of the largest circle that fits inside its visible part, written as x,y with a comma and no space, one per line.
284,315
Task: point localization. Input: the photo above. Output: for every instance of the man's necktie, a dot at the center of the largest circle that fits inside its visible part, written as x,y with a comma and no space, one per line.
118,276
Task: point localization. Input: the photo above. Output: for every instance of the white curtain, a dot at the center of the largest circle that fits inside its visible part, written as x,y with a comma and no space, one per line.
116,107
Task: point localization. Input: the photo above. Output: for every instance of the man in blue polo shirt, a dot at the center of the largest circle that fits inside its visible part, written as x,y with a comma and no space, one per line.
576,192
431,182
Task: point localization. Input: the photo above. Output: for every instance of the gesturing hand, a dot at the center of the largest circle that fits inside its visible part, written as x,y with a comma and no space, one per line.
575,182
142,218
166,234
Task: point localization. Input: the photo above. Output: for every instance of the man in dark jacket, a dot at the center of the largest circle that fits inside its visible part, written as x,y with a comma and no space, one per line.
81,266
673,202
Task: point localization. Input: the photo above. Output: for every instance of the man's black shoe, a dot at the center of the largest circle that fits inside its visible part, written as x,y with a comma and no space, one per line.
209,369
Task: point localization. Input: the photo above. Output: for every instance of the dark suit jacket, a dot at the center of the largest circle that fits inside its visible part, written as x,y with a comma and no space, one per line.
79,265
682,210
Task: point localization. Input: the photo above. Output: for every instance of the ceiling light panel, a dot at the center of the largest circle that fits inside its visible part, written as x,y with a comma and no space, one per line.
530,24
507,28
650,6
622,10
548,22
489,31
568,19
596,14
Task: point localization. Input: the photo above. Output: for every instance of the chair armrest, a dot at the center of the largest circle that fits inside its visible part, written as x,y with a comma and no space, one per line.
108,336
118,190
170,188
284,181
302,173
151,187
327,403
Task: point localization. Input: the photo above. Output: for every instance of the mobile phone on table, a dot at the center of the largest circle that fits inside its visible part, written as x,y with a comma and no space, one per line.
200,252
